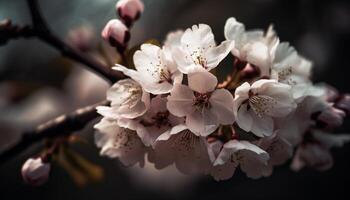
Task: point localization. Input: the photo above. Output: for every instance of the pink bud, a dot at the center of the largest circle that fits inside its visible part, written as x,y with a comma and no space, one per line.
35,172
344,103
116,33
129,10
332,117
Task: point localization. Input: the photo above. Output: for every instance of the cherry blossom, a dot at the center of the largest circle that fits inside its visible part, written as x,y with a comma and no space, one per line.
257,105
254,47
198,50
118,142
183,148
252,160
35,171
203,106
128,100
156,121
154,71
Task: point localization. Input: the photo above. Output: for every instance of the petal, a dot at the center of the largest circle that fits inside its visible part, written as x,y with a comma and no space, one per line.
202,123
234,30
223,172
180,100
244,119
262,126
216,54
222,104
184,61
198,36
202,82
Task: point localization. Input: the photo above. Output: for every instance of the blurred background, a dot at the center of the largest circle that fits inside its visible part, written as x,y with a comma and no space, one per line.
36,84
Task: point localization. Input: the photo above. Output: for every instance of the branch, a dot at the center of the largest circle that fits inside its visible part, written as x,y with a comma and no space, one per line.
43,33
10,31
60,126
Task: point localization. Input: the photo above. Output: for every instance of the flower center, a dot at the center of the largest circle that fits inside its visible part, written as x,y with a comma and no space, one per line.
202,100
198,57
125,139
160,119
261,104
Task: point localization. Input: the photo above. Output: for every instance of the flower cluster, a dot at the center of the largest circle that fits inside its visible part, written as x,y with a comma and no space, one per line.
173,109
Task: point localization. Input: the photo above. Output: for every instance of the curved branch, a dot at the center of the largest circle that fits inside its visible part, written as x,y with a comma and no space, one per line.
43,32
60,126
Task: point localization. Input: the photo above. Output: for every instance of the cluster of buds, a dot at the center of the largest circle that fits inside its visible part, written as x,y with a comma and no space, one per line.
173,108
116,31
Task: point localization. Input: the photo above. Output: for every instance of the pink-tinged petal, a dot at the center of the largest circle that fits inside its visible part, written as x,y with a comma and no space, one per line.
262,126
241,94
223,172
216,54
122,143
128,72
202,123
180,100
202,82
222,104
254,165
258,87
198,36
184,62
244,119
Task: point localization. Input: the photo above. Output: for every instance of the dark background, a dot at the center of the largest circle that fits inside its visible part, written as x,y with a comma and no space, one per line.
319,30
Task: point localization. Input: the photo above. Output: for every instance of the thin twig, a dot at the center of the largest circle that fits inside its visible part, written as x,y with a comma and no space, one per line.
63,125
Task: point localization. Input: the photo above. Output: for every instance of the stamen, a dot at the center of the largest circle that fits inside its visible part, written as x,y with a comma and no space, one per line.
262,104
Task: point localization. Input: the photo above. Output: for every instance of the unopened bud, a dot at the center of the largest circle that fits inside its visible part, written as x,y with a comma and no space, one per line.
343,103
35,172
129,10
331,117
117,34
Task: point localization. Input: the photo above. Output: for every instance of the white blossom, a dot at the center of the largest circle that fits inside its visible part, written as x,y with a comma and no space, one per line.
128,100
183,148
156,121
118,142
256,105
198,50
154,71
252,160
254,47
35,171
203,106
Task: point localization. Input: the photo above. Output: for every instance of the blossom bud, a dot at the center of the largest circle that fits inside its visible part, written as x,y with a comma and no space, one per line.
129,10
117,34
331,117
35,172
343,103
249,71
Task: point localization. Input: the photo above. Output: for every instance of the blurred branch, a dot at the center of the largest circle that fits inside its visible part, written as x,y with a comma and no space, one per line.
43,32
10,31
63,125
